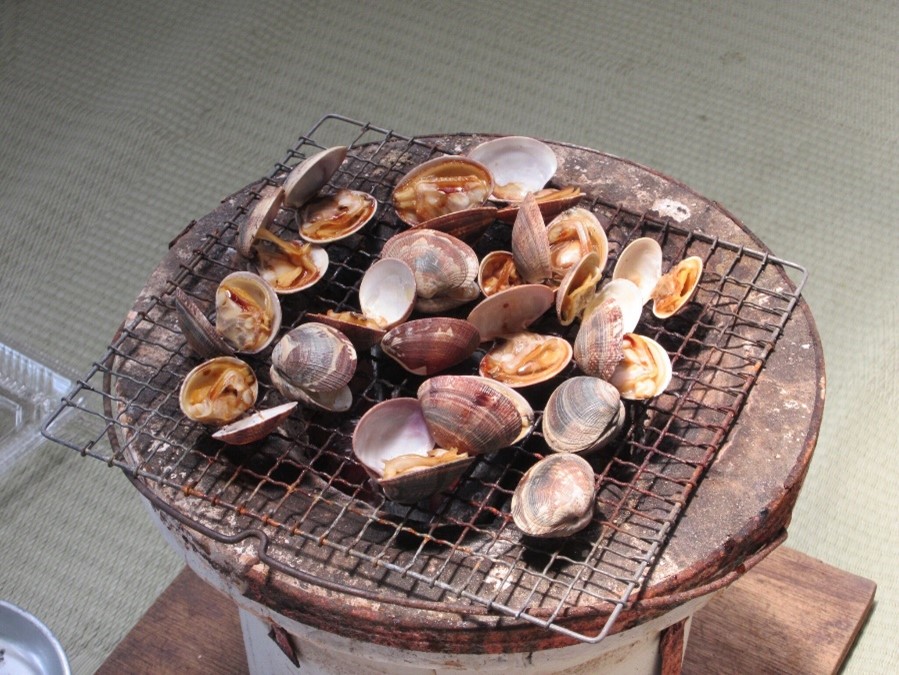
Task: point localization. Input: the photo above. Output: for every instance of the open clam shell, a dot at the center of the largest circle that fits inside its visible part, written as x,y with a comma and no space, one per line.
218,391
519,165
530,243
555,497
511,310
432,344
393,444
573,234
255,426
628,297
474,414
247,312
261,216
597,345
578,288
333,217
583,414
497,272
644,370
309,176
640,262
440,186
198,331
676,287
525,359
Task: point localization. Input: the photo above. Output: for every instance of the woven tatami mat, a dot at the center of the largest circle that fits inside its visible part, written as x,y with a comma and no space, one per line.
122,121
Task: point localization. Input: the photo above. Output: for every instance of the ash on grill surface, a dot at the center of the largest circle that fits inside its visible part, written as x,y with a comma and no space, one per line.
322,521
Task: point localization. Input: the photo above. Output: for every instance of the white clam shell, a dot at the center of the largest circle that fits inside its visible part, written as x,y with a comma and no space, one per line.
629,298
308,177
511,311
644,370
387,292
218,391
519,165
640,262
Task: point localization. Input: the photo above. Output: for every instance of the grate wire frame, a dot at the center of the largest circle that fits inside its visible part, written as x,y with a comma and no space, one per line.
311,509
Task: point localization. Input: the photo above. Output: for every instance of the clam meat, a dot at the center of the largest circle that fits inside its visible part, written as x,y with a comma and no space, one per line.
644,370
334,217
573,234
676,287
247,312
526,359
288,266
218,391
440,186
555,497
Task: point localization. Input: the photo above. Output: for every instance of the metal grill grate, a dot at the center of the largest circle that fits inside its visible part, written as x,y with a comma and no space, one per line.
302,496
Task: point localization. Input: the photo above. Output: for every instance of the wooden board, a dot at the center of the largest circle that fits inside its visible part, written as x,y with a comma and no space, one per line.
791,613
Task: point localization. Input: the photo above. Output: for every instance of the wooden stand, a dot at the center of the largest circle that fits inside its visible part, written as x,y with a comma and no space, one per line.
790,613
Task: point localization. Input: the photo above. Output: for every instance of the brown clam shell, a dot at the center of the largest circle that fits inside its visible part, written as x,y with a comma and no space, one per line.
530,243
255,426
314,358
555,497
198,331
597,346
474,414
308,177
259,217
582,414
432,344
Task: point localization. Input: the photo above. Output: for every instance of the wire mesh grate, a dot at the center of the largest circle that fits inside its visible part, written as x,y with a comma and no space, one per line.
310,504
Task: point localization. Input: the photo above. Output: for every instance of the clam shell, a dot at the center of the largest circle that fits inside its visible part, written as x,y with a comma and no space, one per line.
218,391
440,186
474,414
630,301
555,497
573,234
387,292
247,312
582,414
497,272
530,243
432,344
550,201
640,262
526,359
466,225
198,331
330,218
289,266
510,311
314,358
439,261
578,288
393,430
676,287
255,426
519,165
644,370
307,178
597,345
261,216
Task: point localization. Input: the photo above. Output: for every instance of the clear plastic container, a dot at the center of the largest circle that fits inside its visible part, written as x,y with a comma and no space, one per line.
29,391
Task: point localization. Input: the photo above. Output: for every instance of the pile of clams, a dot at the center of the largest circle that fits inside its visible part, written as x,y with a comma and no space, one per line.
461,324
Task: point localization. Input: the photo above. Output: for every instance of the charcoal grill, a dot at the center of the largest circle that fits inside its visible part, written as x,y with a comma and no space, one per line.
700,487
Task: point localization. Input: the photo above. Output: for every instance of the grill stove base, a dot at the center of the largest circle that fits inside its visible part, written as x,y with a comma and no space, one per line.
634,651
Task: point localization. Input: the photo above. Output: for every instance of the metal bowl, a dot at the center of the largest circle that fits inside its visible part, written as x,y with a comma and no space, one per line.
27,645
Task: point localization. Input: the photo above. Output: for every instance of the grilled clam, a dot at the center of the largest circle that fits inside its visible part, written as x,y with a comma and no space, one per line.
247,312
474,415
313,363
644,370
676,287
260,217
432,344
525,359
445,267
597,345
627,295
641,263
582,414
255,426
198,331
550,201
511,310
336,216
440,186
497,272
392,442
519,164
530,243
386,298
218,391
555,497
573,234
578,288
310,176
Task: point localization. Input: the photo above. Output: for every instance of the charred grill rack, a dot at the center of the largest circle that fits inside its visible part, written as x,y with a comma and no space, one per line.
307,504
